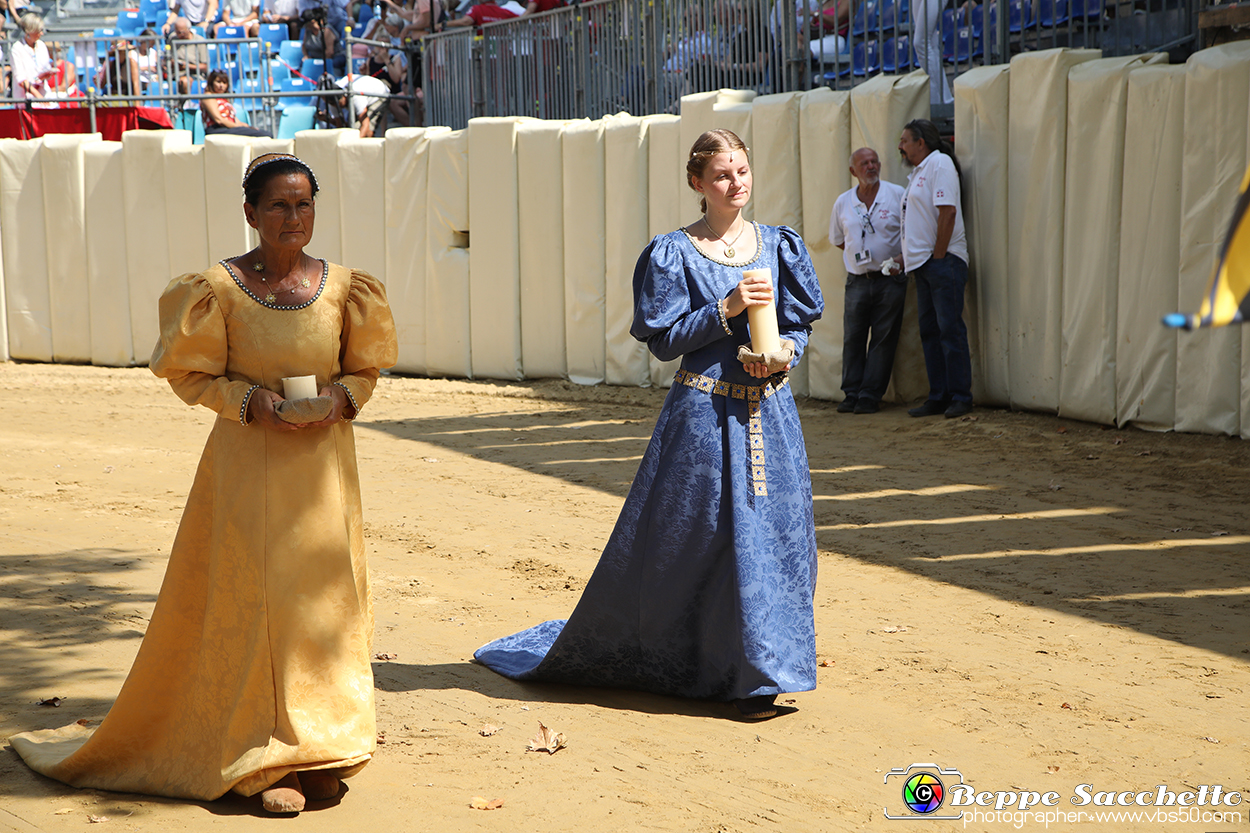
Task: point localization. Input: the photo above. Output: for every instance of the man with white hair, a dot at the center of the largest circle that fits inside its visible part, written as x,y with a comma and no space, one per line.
866,225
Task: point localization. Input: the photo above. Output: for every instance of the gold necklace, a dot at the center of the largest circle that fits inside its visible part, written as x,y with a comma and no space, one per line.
729,247
271,298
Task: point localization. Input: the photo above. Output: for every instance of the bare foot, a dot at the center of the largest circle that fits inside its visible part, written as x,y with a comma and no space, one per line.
284,796
319,785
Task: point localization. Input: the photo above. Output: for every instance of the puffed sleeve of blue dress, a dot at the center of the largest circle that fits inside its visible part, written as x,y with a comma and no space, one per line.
705,587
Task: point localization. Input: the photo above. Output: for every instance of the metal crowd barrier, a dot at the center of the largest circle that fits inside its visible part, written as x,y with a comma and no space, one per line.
601,56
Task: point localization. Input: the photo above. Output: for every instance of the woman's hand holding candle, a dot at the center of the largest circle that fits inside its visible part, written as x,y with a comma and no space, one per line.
755,289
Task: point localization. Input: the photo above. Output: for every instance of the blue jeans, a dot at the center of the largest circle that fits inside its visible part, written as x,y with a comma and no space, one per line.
874,305
940,286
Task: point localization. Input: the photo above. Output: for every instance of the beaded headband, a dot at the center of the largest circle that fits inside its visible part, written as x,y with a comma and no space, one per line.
261,161
706,154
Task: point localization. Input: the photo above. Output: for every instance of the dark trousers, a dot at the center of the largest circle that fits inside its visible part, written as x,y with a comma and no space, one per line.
874,305
940,286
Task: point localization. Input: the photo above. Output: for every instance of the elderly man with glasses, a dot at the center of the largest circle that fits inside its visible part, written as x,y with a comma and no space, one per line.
865,225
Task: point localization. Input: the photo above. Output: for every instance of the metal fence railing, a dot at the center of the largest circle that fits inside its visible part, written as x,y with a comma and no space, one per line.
602,56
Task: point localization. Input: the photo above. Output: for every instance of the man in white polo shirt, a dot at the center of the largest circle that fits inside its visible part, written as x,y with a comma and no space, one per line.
935,252
865,225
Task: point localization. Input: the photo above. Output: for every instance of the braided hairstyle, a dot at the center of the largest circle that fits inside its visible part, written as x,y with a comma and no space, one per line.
704,148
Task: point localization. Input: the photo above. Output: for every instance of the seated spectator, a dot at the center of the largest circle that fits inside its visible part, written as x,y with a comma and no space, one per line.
219,113
63,82
744,49
391,66
488,11
196,13
368,100
31,64
119,72
282,11
245,13
319,40
190,58
13,10
149,58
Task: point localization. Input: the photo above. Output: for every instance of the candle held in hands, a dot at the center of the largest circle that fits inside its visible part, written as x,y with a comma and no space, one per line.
765,337
299,387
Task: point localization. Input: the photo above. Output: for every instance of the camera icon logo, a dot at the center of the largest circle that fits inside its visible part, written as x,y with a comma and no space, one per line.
923,791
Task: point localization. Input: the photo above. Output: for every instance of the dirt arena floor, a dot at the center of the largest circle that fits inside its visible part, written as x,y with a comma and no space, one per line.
1034,602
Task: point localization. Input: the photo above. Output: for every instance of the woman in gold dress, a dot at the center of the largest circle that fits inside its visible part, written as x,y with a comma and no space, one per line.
254,675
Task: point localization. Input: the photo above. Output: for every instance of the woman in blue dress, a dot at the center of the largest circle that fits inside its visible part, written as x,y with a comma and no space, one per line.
705,587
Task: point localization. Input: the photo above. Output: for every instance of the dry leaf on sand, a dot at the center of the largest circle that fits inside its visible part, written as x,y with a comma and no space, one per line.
97,819
479,803
64,811
487,730
51,701
546,740
1052,769
386,657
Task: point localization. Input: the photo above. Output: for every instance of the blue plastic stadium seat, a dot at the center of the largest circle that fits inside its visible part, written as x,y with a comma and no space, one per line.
291,51
364,15
296,117
277,71
249,85
865,19
864,61
103,38
231,32
313,68
291,85
129,22
248,56
956,43
273,34
1019,16
153,12
896,54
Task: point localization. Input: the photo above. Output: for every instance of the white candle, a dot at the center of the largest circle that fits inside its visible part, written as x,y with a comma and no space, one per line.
299,387
765,337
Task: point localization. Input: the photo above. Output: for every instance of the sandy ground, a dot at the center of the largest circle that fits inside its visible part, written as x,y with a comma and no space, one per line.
1034,602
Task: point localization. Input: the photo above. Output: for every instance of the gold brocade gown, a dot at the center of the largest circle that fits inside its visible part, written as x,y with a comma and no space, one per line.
257,659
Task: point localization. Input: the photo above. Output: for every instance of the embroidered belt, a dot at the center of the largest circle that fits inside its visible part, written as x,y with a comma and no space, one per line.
755,396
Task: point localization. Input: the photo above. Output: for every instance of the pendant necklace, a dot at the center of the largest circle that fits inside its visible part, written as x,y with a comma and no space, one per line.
271,298
729,247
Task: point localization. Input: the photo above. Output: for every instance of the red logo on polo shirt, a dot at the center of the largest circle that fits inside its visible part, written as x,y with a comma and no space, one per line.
920,182
940,194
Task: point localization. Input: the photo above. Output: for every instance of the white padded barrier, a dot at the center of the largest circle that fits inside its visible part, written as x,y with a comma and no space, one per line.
1038,122
825,147
880,107
584,288
626,219
494,262
1208,372
64,212
362,174
319,148
778,191
981,97
447,257
225,160
407,162
540,178
107,273
186,209
1094,177
670,203
1150,217
147,230
25,250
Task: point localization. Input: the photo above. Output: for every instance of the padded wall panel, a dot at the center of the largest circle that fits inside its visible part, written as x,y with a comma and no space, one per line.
107,273
584,323
670,205
186,209
225,160
1037,157
1150,217
262,146
981,100
1217,91
362,194
147,229
825,147
540,177
1094,177
494,263
4,310
407,162
25,250
625,236
319,148
879,109
65,229
447,257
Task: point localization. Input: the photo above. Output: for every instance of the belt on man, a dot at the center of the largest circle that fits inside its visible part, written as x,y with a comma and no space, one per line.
754,396
876,274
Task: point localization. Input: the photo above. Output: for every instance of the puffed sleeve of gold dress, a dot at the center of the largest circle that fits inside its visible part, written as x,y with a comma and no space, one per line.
257,660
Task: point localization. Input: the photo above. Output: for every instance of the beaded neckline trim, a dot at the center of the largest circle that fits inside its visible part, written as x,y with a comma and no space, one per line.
325,272
759,248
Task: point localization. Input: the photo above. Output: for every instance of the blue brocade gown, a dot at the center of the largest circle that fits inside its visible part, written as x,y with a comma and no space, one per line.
705,587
